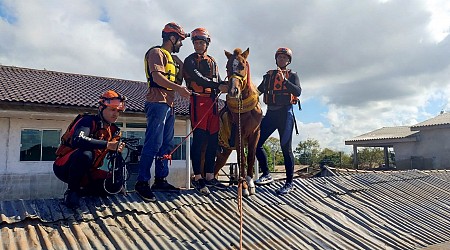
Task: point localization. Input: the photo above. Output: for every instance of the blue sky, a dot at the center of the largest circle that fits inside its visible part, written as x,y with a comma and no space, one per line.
363,64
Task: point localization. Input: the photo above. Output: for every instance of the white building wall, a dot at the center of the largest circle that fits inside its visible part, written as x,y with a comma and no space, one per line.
33,180
4,131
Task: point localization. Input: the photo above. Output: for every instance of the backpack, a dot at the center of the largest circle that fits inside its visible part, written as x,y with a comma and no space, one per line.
65,145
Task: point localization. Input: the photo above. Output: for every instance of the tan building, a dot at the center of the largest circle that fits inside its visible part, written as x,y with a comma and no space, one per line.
425,145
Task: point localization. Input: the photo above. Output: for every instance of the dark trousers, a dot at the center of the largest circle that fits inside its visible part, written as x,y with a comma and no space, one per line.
283,121
201,139
76,169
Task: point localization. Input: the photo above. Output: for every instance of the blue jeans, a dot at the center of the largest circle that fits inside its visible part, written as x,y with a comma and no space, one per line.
158,140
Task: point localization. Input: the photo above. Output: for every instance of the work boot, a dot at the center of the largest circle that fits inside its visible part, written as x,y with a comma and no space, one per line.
162,185
71,199
216,184
200,186
264,180
143,190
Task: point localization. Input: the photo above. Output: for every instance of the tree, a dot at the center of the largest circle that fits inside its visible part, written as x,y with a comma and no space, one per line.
275,148
307,152
370,157
269,157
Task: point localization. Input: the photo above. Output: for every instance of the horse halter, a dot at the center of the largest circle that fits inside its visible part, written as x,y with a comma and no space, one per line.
236,75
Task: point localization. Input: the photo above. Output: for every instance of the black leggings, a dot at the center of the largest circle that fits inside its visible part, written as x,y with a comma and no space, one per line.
283,121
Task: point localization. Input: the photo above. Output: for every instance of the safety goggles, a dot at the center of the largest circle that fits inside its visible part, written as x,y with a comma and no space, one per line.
116,103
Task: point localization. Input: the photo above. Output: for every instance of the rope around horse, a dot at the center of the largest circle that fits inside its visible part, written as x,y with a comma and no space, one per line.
241,180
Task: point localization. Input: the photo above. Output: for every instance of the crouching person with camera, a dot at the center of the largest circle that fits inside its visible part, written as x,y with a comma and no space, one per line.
85,144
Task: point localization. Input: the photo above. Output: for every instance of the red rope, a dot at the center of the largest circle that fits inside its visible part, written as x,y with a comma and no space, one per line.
169,155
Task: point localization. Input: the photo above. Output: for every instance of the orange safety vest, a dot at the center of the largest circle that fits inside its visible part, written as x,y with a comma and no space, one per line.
276,92
65,149
207,66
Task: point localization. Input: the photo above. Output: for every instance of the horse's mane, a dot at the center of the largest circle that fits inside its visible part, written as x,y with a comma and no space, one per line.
237,51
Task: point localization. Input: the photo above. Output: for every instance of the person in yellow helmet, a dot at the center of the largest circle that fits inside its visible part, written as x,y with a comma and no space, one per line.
85,144
201,74
164,76
281,88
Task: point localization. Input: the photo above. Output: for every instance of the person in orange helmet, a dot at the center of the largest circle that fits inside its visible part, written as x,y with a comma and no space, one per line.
281,89
85,144
202,77
164,77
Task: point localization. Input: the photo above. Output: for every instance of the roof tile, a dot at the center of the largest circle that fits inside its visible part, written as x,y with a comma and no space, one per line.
58,88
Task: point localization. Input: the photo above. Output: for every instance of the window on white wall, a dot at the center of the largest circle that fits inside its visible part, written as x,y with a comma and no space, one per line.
39,144
179,154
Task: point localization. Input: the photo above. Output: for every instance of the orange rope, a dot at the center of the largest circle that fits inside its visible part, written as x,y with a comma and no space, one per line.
169,155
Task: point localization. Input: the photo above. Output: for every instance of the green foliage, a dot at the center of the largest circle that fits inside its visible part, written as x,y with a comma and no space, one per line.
370,157
269,157
307,152
310,153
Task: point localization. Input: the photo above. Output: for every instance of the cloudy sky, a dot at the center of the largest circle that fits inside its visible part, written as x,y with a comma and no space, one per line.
363,64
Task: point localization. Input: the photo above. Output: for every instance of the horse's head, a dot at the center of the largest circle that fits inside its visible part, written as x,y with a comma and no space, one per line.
237,72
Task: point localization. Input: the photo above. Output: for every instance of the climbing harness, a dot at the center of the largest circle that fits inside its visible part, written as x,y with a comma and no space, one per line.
117,167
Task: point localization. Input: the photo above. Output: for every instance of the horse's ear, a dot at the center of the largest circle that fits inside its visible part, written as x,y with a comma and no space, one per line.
228,54
245,53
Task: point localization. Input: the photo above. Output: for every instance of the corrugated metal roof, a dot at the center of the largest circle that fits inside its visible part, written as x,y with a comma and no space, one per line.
385,133
390,210
440,120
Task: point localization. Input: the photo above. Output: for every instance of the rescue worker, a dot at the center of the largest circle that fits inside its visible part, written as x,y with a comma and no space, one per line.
281,89
164,77
84,147
202,77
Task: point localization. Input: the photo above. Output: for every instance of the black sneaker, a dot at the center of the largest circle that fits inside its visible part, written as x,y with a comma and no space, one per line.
216,184
143,190
200,186
71,199
162,185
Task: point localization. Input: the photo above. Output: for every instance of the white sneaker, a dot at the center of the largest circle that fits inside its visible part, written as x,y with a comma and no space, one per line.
264,180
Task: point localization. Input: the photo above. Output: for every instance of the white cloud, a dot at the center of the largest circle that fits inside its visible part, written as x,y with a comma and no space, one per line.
369,63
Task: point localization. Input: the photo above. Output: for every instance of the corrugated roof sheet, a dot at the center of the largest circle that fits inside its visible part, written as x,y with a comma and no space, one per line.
68,89
385,133
441,119
390,210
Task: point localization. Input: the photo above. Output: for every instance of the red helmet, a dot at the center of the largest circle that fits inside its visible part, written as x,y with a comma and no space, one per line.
174,28
285,51
112,99
200,34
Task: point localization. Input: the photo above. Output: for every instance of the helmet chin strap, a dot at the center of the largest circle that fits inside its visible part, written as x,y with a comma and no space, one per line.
100,113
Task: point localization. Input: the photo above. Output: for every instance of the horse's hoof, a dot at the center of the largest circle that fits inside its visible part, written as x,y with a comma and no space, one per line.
251,185
252,190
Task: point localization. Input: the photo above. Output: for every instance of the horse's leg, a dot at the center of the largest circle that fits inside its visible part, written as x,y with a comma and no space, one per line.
253,140
221,160
242,168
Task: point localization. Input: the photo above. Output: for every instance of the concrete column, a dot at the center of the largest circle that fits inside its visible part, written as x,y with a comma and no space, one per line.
188,154
355,156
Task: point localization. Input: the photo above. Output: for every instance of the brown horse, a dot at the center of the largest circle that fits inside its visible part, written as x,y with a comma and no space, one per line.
244,112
